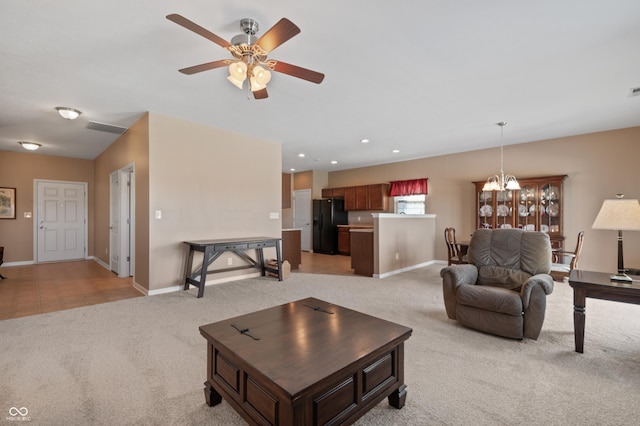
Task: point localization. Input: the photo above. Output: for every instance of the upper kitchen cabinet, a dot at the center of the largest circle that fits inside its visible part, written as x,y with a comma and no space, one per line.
378,196
536,206
363,197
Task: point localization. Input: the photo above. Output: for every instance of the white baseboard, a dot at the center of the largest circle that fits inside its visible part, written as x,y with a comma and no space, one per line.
100,262
21,263
209,282
406,269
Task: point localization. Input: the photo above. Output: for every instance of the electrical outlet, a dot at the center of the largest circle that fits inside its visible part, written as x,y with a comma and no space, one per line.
397,256
229,261
106,250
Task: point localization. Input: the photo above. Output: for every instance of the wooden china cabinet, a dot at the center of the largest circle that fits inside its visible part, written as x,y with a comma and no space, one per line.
536,206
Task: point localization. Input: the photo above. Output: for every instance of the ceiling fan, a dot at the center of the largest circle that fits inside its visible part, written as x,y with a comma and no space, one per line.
250,54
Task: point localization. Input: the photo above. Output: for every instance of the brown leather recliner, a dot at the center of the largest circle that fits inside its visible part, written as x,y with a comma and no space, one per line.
504,287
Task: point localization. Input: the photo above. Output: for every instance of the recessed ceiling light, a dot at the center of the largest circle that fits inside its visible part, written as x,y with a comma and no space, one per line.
395,151
292,170
364,141
30,146
334,162
68,113
301,155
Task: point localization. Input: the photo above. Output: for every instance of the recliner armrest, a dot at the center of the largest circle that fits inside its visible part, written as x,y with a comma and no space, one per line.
461,274
545,281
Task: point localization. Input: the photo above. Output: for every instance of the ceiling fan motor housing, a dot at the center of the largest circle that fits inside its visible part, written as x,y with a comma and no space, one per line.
250,28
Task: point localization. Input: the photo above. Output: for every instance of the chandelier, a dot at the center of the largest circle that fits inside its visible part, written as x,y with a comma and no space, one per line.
501,182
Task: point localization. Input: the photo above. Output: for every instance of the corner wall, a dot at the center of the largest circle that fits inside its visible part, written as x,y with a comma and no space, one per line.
209,184
131,147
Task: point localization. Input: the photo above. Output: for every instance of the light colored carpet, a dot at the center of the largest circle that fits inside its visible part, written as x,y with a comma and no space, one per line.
142,361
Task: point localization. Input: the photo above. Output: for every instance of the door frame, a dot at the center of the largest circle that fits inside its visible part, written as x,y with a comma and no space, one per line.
127,210
36,213
309,218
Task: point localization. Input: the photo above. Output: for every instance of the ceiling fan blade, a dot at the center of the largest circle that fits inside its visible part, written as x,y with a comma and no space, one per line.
203,67
282,31
295,71
261,94
181,20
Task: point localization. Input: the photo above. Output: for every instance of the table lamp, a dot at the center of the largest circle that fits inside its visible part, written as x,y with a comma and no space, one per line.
619,215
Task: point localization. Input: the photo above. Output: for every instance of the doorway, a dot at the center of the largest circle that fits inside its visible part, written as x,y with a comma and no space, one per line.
60,221
302,216
121,222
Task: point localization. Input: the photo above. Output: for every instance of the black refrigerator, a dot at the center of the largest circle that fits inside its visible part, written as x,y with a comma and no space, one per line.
327,215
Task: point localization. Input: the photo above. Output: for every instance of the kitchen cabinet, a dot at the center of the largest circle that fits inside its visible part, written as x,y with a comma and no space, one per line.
333,193
362,197
378,196
291,247
536,206
286,191
344,240
362,251
350,198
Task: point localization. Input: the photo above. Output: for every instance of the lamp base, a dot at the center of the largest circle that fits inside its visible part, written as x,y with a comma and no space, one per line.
621,277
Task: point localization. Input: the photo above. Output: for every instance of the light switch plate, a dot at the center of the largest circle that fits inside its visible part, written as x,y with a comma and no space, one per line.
27,215
274,215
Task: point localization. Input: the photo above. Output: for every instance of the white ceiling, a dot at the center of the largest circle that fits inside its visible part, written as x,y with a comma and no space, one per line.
426,77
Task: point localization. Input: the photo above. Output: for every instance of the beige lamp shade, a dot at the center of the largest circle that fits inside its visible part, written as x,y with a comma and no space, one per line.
618,215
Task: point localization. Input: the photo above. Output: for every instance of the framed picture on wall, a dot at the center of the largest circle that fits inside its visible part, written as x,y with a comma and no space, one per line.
7,203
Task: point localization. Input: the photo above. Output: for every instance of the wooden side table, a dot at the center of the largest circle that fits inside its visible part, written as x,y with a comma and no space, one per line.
597,285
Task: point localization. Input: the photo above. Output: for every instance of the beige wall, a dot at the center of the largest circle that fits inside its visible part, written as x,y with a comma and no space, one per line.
18,170
598,165
208,183
402,241
130,148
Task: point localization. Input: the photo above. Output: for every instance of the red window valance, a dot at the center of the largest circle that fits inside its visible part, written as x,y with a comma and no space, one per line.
408,187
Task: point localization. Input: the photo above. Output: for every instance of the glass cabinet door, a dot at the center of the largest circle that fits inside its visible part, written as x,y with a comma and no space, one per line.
504,209
550,203
527,208
485,210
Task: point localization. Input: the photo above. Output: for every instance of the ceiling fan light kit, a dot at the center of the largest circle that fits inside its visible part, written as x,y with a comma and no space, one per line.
68,113
250,54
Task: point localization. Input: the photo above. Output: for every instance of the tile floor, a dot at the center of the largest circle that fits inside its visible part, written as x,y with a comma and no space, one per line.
47,287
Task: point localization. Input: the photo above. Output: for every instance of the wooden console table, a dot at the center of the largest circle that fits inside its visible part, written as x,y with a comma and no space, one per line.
597,285
212,250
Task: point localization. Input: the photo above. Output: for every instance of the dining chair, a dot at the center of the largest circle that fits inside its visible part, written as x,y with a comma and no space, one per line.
455,254
565,261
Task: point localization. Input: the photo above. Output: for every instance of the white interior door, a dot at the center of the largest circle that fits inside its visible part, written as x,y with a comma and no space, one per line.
61,221
114,223
302,216
120,227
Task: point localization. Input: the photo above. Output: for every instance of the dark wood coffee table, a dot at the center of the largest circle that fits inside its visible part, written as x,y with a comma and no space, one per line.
597,285
307,362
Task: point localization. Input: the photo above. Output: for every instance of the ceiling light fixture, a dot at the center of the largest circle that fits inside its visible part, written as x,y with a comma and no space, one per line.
30,146
334,162
251,62
301,155
395,151
68,113
364,140
501,182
